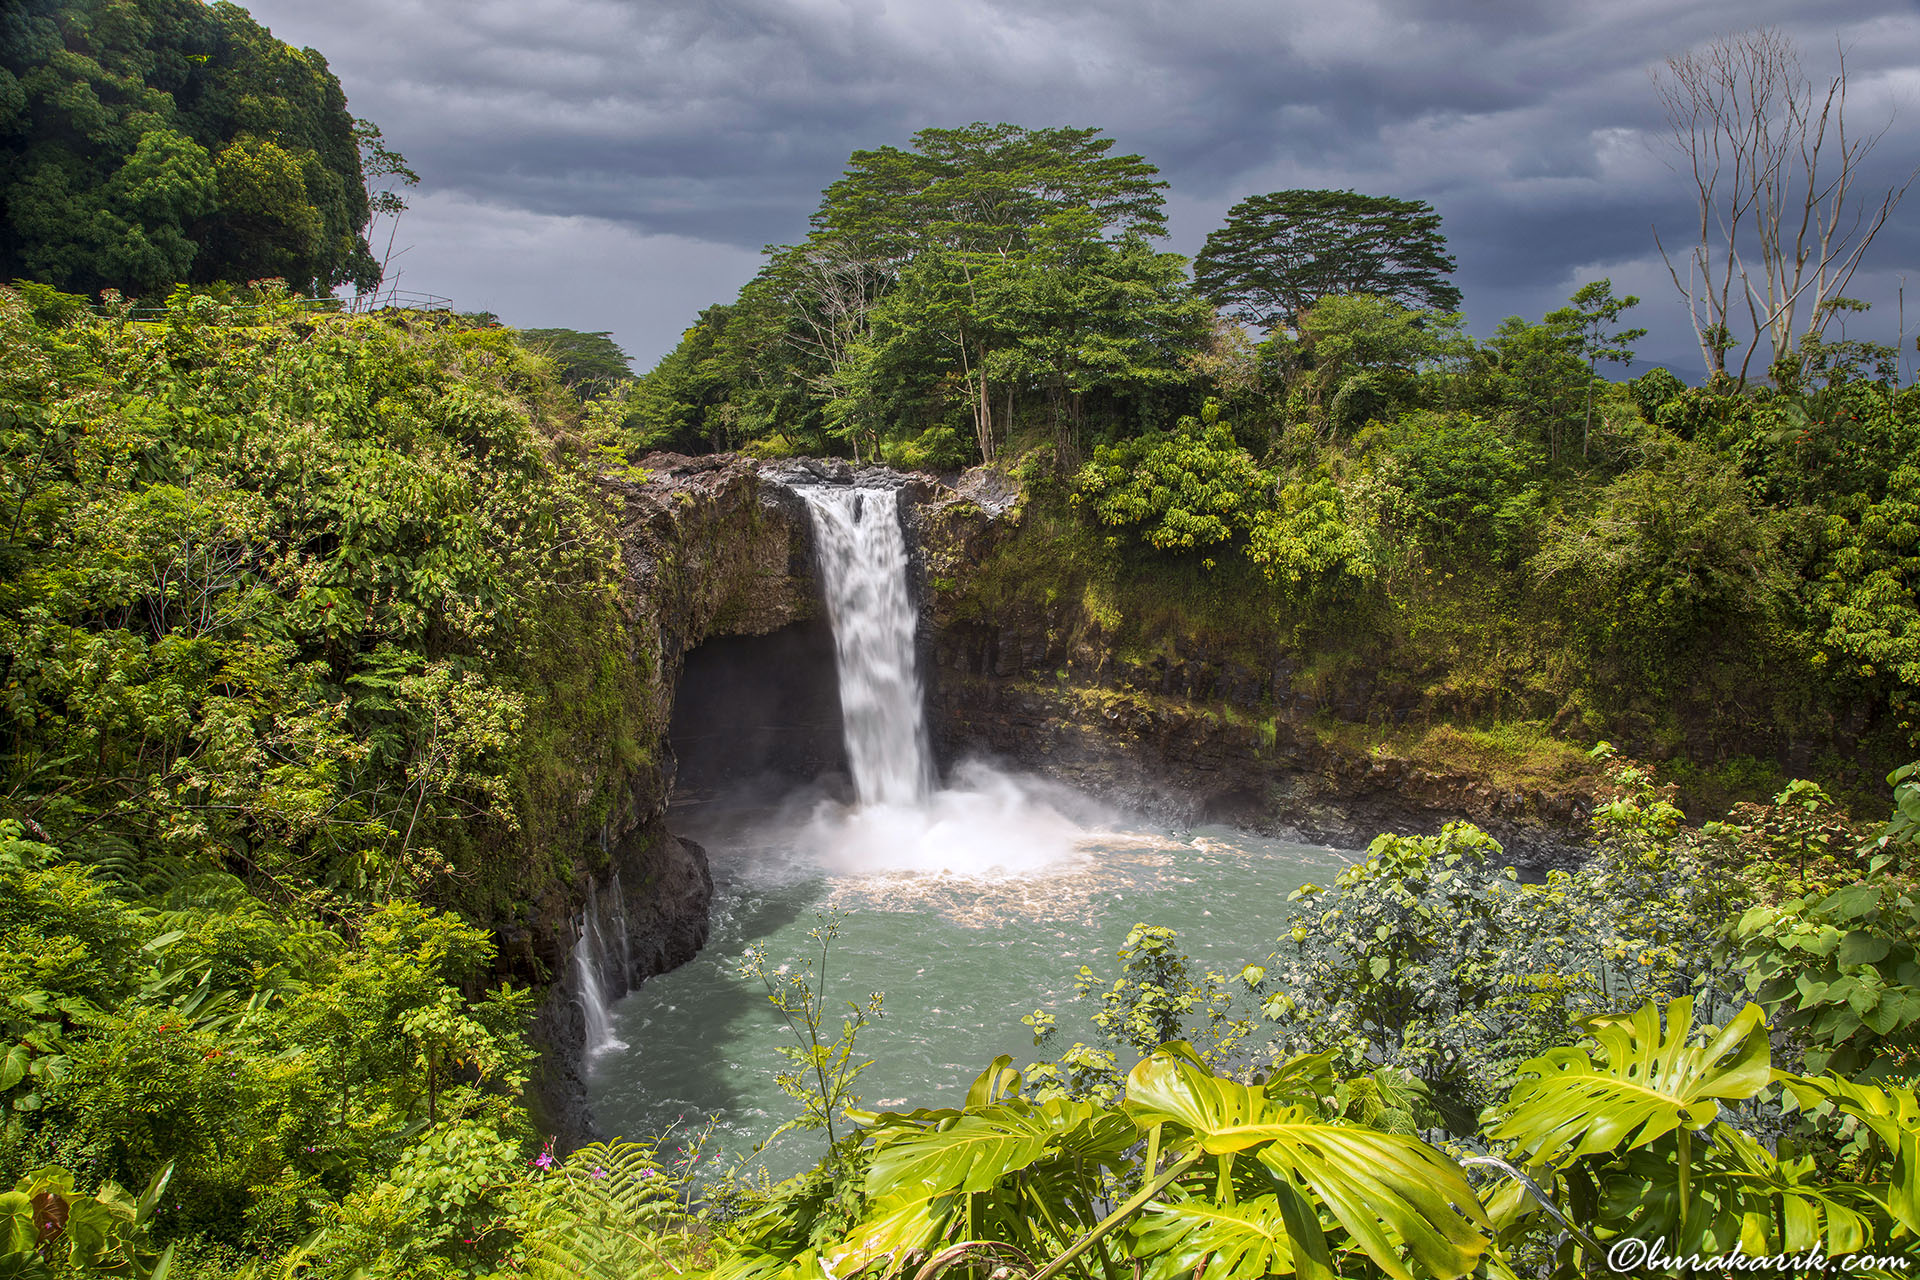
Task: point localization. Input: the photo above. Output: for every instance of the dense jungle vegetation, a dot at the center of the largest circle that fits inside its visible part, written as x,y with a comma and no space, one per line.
159,141
310,640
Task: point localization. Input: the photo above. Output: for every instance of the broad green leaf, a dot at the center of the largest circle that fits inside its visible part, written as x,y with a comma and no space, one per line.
894,1229
1853,901
1247,1241
1815,1210
1892,1113
1861,947
1396,1197
973,1152
1644,1085
996,1084
13,1066
18,1234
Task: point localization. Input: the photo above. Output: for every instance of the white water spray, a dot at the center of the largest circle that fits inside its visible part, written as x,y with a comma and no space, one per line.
863,565
986,822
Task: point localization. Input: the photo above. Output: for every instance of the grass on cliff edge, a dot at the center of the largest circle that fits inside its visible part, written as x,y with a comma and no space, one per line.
1509,755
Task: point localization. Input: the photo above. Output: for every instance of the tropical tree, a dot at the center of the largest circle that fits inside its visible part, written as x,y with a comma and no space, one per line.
1357,357
986,188
160,141
1594,309
1006,248
1280,253
590,363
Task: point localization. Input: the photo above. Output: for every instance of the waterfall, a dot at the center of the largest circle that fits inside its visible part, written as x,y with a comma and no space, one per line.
590,965
863,566
625,953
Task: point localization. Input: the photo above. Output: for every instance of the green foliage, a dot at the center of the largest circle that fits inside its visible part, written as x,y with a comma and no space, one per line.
1838,966
611,1211
1539,380
276,1071
1661,560
590,363
159,141
47,1228
1648,1084
987,277
1430,956
298,614
1253,1176
1195,489
1632,1137
1356,357
265,578
821,1071
1280,253
1309,538
1155,999
1467,484
1191,488
1594,309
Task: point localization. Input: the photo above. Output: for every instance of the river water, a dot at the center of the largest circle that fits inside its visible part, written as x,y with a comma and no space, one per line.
961,954
968,903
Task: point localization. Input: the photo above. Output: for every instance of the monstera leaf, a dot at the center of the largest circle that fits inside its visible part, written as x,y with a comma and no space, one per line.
1645,1085
998,1083
975,1151
1395,1197
1030,1169
1893,1116
897,1229
1239,1242
1790,1205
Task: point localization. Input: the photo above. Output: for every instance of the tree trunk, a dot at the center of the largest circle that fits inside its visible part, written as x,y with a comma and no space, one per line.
983,410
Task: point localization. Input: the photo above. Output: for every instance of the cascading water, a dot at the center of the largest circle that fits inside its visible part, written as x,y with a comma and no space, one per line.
863,567
590,967
985,821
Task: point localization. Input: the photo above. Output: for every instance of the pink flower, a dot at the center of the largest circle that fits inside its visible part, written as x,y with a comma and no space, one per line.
544,1160
599,1173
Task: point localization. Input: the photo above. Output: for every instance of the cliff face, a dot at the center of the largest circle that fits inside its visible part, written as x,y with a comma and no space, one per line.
709,548
1199,731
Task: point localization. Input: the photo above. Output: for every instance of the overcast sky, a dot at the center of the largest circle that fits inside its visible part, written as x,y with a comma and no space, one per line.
618,164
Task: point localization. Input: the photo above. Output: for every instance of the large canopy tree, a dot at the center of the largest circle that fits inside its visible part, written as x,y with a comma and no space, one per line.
988,188
147,142
1280,253
943,285
977,217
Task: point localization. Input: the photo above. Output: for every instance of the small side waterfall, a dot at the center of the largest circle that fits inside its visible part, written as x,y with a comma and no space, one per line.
592,963
863,567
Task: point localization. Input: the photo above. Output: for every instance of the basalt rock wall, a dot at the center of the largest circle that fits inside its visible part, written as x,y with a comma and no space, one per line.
1195,733
709,548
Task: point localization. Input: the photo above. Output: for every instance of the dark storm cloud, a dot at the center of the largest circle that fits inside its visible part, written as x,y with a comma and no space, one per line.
702,130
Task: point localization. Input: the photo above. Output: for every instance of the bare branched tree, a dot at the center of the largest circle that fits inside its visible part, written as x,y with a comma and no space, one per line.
830,289
1782,227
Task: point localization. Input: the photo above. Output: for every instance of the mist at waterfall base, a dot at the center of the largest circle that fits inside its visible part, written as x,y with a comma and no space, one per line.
969,904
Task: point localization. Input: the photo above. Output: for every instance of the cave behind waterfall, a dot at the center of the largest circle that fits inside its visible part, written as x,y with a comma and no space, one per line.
757,715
